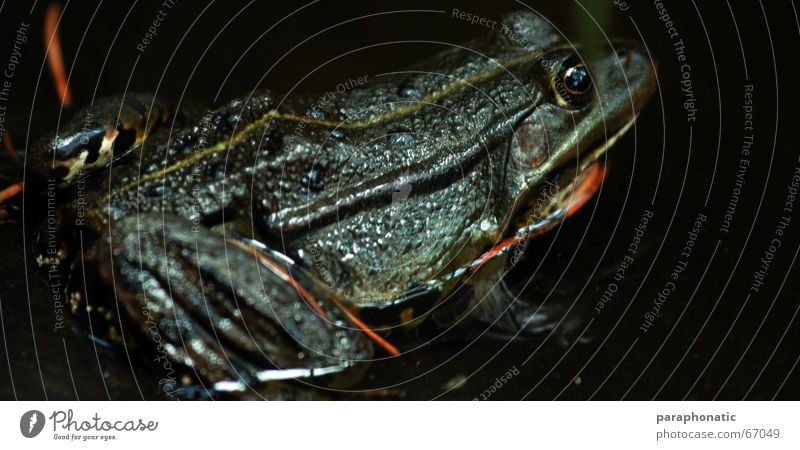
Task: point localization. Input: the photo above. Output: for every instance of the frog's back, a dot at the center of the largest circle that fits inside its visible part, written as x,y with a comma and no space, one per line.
403,164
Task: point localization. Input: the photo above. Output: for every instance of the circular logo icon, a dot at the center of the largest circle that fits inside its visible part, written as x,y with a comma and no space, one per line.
31,423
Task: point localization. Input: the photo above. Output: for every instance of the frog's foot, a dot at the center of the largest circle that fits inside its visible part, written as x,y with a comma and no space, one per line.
230,315
504,315
496,308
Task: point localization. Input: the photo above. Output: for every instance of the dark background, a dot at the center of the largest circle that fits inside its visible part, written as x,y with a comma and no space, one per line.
711,341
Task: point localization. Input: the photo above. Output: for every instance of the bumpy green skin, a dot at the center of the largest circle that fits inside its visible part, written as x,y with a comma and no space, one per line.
379,189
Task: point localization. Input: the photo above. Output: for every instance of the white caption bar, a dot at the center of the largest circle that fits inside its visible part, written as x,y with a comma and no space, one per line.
399,425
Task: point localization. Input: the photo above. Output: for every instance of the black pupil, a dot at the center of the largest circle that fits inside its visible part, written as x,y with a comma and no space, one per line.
577,79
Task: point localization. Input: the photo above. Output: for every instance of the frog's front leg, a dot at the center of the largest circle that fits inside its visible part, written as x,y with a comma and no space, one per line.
230,315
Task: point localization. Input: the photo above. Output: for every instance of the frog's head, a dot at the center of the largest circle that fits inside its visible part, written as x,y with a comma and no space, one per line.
589,100
94,135
81,147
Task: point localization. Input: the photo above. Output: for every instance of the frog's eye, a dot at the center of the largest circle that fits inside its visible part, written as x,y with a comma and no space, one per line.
573,85
577,79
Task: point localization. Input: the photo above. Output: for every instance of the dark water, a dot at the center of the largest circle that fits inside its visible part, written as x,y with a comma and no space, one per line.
714,336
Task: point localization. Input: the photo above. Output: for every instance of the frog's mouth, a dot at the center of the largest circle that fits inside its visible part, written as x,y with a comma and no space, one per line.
601,145
570,185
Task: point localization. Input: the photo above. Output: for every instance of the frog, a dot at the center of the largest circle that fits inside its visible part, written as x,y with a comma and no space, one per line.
285,238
